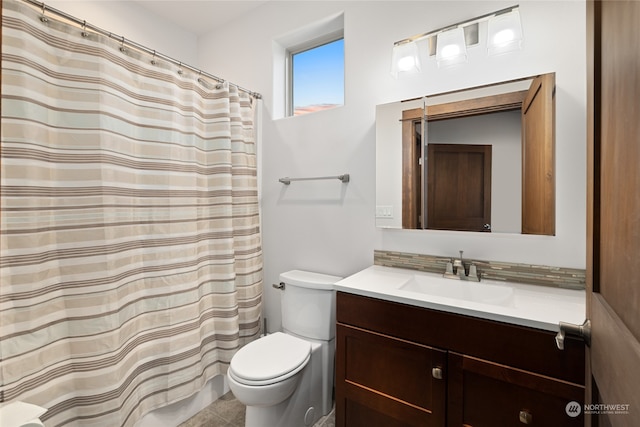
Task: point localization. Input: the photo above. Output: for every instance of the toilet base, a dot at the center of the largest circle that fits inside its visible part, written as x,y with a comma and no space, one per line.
282,415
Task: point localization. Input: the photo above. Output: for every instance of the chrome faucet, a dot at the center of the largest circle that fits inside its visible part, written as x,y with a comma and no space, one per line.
456,270
458,266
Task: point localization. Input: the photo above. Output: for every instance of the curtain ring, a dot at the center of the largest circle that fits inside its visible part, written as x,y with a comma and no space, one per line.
180,68
206,83
44,18
122,48
84,29
153,60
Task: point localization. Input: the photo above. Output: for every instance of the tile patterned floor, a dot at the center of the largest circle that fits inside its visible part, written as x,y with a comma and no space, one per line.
228,412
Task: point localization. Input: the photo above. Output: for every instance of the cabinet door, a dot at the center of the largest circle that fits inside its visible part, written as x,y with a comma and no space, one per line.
388,382
486,394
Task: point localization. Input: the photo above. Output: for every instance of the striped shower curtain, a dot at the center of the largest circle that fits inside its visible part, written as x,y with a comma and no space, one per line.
131,264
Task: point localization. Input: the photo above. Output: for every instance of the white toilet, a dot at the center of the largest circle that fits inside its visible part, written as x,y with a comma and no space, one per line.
21,414
286,378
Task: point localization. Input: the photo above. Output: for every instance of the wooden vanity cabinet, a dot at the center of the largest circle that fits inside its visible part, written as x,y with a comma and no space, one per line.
401,365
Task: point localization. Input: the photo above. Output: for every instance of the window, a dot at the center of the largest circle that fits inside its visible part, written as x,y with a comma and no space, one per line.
316,78
308,72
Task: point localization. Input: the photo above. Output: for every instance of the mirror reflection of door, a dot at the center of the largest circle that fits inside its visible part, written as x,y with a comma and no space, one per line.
538,158
412,168
459,187
532,189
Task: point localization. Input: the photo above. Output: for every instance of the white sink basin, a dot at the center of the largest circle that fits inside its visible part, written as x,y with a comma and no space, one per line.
460,290
534,306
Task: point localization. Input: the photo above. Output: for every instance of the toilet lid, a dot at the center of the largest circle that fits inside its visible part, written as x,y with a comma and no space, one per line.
270,357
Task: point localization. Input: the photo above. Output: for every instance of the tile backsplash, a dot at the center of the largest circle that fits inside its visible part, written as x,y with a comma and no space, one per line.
559,277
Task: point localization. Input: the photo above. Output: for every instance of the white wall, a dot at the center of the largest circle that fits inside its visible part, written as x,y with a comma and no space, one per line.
329,227
135,23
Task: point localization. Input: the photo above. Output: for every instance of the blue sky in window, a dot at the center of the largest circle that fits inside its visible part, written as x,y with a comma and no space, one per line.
318,77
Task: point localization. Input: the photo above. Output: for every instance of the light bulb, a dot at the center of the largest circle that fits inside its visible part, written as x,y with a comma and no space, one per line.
504,33
406,63
451,50
405,59
504,36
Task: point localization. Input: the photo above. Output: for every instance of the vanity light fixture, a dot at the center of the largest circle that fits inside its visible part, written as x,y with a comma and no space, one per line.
405,58
504,33
451,47
449,44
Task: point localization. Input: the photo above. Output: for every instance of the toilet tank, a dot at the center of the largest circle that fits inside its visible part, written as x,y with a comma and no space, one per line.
309,304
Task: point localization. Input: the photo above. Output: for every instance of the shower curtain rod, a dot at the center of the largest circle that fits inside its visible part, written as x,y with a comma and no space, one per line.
85,25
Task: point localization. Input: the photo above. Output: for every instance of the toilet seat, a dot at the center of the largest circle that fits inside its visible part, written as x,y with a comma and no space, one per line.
270,359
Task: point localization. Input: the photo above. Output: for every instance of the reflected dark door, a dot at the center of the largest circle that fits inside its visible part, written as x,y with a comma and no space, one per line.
459,187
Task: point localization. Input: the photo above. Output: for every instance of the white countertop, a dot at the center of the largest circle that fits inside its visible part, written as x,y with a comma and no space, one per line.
534,306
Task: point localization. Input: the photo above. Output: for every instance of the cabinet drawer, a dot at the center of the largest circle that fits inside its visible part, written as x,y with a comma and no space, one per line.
378,374
486,394
521,347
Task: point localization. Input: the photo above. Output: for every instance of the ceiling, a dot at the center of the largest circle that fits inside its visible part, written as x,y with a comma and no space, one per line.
200,16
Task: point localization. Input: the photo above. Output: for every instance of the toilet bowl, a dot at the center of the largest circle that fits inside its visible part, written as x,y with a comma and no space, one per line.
265,372
21,414
285,379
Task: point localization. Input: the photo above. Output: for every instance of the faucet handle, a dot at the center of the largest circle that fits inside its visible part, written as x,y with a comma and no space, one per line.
473,270
449,269
461,271
473,273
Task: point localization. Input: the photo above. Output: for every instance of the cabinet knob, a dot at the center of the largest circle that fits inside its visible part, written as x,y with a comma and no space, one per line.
436,373
526,417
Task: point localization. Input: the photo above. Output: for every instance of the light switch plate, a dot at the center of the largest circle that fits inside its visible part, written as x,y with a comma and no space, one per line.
384,211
